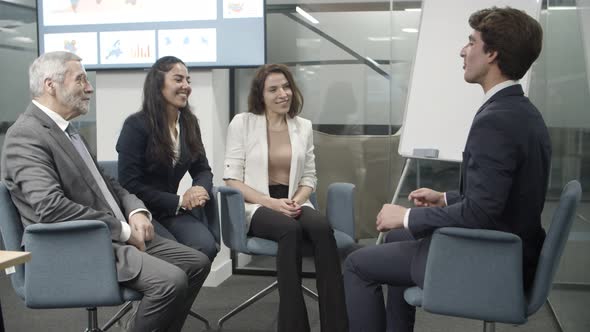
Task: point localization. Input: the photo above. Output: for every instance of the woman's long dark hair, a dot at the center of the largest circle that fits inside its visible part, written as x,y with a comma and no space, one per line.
159,149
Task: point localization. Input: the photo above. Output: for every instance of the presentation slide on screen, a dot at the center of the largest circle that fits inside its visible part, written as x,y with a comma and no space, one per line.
111,34
75,12
191,45
128,47
84,44
242,8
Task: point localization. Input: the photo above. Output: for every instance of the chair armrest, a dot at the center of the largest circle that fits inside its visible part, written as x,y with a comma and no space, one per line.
232,216
340,207
475,273
72,265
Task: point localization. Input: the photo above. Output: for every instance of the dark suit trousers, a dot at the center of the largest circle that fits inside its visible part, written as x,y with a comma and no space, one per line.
170,279
366,270
310,227
189,228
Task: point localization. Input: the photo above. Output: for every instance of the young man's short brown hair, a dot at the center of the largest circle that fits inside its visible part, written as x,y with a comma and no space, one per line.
517,37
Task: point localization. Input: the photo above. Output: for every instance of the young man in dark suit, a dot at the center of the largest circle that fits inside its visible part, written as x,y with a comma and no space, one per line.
53,178
504,178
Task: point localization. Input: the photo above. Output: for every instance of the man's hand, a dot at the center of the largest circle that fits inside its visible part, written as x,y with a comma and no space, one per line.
137,240
390,217
426,197
286,206
194,197
141,230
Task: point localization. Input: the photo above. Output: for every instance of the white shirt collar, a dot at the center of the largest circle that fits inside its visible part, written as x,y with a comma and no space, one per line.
497,88
59,121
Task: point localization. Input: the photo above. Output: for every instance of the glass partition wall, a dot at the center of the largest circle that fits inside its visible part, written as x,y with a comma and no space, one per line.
18,49
353,62
560,89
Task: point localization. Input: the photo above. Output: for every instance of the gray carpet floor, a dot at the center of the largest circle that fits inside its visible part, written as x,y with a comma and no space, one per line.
213,303
570,305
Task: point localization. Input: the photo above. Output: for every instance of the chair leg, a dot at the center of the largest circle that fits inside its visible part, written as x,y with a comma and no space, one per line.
124,309
201,318
309,293
248,302
92,321
489,326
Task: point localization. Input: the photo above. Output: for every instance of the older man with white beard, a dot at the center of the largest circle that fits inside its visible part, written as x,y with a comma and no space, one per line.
53,178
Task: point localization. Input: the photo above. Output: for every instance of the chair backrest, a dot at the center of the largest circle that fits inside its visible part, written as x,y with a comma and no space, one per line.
11,229
105,290
557,236
110,168
232,216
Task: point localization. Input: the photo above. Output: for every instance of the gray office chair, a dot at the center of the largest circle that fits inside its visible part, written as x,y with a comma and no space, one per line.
477,274
339,211
72,264
110,168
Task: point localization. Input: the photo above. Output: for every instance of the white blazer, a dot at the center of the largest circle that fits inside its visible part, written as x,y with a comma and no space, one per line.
246,155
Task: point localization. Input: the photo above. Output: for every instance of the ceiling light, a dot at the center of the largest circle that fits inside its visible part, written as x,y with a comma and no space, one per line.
562,8
410,30
306,15
25,40
376,39
372,61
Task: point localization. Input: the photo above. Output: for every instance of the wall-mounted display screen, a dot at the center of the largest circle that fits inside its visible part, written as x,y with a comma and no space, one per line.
135,33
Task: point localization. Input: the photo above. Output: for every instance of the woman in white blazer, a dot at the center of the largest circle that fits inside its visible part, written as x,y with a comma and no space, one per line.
269,158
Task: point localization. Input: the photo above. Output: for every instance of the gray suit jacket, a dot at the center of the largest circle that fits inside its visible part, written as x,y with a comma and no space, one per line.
49,183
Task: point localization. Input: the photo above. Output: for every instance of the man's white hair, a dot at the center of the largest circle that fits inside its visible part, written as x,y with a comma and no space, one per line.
51,65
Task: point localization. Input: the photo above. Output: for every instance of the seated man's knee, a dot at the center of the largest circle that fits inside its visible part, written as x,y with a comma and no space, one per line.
350,263
200,266
174,283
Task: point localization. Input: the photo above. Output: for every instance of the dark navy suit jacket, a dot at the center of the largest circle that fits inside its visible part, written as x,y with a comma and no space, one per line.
504,177
157,185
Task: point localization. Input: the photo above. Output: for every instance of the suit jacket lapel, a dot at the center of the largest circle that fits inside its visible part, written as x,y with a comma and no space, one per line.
63,142
295,146
262,139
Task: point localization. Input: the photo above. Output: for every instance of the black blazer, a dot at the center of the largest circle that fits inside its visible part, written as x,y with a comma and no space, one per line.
156,186
504,176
